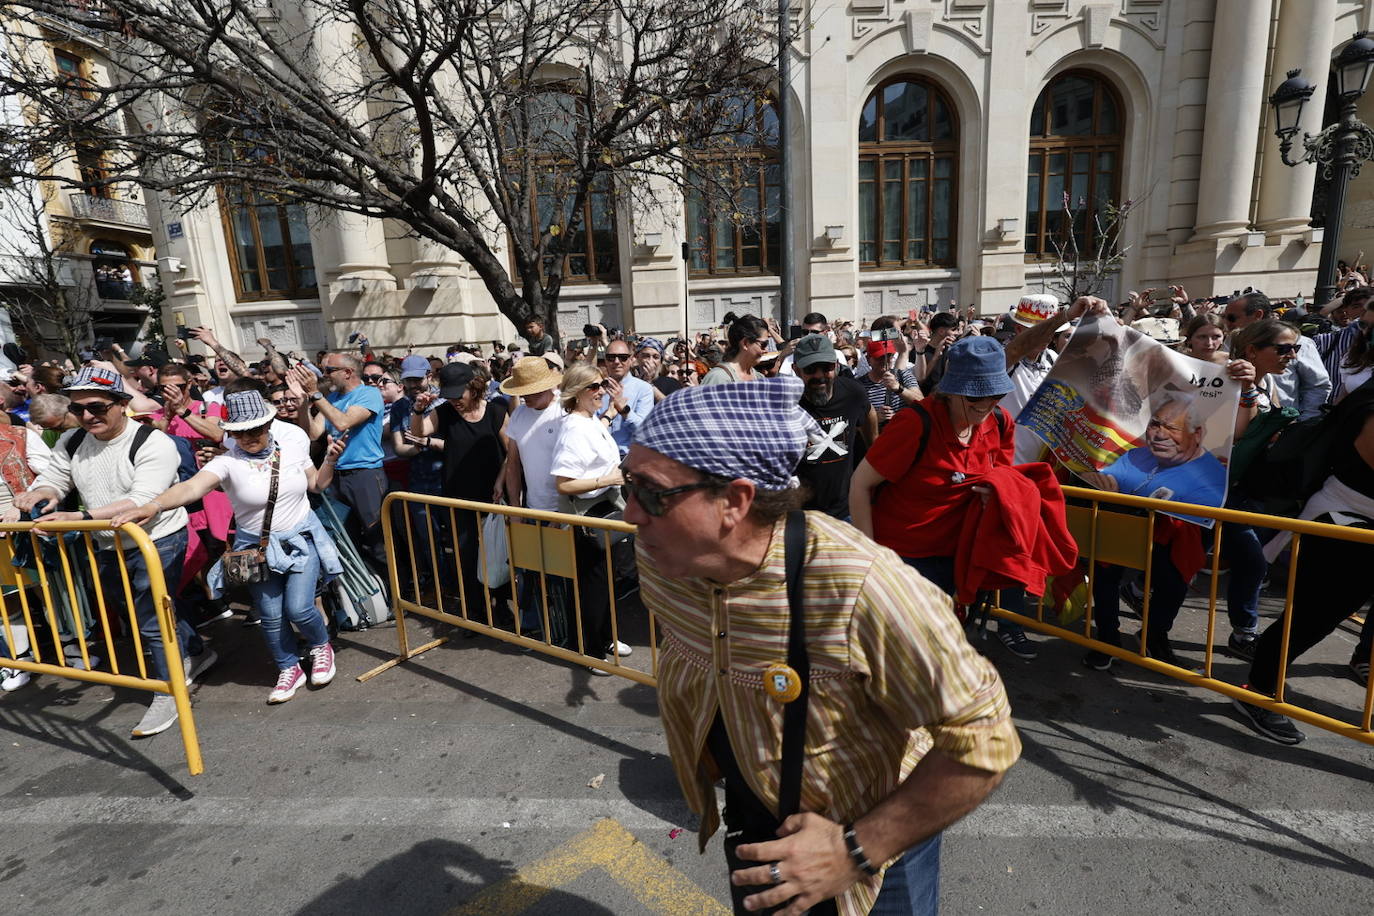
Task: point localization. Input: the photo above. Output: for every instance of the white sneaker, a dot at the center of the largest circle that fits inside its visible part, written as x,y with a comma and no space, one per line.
13,678
162,712
288,682
619,648
196,665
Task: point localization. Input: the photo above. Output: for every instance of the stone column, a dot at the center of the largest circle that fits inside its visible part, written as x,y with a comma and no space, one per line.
361,240
1235,96
1305,34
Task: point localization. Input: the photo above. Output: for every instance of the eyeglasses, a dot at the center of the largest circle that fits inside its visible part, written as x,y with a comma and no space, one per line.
278,402
618,357
373,379
815,368
76,408
651,499
328,369
1285,349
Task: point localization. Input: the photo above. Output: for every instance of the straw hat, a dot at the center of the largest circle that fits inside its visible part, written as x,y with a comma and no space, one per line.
531,375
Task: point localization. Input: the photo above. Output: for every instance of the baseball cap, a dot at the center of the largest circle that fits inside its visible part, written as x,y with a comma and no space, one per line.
812,349
414,367
453,379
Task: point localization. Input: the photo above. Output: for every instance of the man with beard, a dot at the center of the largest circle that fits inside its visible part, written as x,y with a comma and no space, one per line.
841,410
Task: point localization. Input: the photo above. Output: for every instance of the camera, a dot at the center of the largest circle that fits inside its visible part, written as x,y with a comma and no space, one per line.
103,343
886,334
590,330
183,332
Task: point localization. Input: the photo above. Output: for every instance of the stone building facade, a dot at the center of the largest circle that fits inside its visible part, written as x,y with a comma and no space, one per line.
936,142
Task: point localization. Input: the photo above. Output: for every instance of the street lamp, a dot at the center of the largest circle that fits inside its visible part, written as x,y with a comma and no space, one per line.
1339,149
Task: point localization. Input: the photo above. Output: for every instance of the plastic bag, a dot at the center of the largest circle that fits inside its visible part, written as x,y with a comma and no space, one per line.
494,570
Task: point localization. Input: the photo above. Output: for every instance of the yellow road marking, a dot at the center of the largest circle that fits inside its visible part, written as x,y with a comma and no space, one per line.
657,886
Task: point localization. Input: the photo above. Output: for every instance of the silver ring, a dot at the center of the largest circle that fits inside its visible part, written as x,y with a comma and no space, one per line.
774,873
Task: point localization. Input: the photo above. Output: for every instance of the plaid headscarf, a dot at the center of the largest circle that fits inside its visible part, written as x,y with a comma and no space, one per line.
751,430
650,343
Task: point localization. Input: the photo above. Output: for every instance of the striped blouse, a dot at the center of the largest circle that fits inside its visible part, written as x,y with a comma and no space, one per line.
891,676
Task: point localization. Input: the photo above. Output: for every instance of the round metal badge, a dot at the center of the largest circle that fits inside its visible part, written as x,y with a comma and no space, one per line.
781,683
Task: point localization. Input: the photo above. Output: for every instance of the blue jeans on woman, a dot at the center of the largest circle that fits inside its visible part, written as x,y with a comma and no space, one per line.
287,596
1243,551
940,571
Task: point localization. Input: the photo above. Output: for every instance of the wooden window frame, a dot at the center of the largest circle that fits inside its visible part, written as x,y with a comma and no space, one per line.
589,249
228,211
881,152
1037,244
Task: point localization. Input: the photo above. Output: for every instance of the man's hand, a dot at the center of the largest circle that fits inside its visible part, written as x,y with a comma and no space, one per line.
205,336
266,344
305,381
617,392
1179,295
884,413
174,400
61,517
36,501
889,381
812,859
179,344
1088,305
423,401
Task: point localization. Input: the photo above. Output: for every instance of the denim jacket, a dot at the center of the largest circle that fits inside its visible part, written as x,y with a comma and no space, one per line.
287,552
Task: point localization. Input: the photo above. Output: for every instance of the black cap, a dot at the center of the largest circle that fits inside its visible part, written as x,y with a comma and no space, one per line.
155,358
454,379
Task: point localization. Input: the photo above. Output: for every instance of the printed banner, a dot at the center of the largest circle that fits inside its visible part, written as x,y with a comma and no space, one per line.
1127,414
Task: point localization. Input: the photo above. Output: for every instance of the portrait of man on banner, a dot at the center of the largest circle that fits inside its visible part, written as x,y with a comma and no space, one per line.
1128,414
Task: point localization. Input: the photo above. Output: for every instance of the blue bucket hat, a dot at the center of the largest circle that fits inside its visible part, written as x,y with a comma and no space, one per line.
976,368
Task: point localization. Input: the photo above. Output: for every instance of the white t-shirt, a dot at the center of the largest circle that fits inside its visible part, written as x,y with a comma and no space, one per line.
585,451
535,434
247,481
1026,376
1350,379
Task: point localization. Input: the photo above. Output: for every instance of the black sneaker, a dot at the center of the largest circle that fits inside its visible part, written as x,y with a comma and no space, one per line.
1017,644
1161,651
1098,661
1269,724
1242,645
1360,668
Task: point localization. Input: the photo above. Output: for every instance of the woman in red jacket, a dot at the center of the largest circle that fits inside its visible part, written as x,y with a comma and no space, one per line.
923,454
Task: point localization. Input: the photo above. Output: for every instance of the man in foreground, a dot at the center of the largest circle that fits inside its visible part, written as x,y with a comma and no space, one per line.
907,730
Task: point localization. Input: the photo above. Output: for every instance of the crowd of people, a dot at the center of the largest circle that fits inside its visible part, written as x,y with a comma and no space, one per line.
912,422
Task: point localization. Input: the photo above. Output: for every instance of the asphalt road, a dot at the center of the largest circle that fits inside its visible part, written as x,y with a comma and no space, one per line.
458,783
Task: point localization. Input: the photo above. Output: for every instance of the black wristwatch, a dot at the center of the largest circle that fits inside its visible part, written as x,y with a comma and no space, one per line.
86,516
184,413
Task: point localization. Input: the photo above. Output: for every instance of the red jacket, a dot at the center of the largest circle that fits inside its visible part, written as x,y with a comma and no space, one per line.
1017,537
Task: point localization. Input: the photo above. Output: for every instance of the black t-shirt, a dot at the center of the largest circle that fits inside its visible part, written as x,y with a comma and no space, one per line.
473,453
1346,463
828,464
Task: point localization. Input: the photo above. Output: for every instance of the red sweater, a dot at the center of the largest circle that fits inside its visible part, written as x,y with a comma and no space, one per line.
1017,537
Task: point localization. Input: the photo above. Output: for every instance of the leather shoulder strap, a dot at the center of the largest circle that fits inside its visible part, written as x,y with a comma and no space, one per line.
794,713
271,498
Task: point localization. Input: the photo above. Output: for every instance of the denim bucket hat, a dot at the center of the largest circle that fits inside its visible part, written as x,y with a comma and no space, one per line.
976,368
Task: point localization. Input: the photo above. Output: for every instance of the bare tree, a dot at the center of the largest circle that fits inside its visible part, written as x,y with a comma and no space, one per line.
480,125
51,301
1074,271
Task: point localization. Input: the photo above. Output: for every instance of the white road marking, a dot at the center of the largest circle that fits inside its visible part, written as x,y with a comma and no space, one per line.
1163,822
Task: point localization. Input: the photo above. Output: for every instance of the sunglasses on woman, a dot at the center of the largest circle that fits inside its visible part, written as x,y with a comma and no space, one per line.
593,386
1285,349
652,499
373,379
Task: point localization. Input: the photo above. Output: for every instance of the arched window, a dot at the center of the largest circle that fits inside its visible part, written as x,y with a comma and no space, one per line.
735,189
908,147
550,125
269,247
1075,163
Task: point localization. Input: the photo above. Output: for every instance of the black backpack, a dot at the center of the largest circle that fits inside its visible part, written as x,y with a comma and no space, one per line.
926,423
1299,459
186,468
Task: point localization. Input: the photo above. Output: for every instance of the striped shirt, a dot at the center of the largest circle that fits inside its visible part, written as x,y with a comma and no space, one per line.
1332,347
891,676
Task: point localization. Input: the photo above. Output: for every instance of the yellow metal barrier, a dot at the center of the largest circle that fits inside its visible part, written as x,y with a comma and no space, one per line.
69,592
1127,540
541,545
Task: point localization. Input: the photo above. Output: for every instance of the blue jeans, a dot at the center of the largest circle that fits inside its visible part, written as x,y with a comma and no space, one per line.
940,571
1242,549
911,885
287,596
171,551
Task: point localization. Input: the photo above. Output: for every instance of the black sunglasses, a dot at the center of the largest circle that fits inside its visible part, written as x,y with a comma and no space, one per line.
277,402
594,386
373,379
618,357
651,500
1285,349
818,367
76,409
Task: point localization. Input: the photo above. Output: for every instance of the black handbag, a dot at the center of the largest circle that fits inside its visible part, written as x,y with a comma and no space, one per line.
249,566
